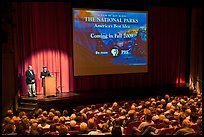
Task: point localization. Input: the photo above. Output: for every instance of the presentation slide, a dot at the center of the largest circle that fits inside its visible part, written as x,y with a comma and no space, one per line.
109,41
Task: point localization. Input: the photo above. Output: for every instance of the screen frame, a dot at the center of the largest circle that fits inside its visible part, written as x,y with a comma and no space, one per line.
119,10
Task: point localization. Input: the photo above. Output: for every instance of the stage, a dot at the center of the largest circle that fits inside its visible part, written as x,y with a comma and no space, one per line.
70,100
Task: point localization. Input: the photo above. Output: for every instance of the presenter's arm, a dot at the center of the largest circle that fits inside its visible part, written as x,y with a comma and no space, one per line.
41,75
49,73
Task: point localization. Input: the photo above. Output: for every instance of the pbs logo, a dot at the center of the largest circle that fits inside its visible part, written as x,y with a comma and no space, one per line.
115,51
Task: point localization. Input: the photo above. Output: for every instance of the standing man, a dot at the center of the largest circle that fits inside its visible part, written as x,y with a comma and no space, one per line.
43,74
30,81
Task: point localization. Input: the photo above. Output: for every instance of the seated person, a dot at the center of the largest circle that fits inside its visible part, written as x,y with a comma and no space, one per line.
132,117
148,121
186,124
52,131
83,128
43,123
72,125
98,130
63,130
116,129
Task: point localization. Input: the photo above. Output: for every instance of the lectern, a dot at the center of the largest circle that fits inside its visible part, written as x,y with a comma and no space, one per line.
50,86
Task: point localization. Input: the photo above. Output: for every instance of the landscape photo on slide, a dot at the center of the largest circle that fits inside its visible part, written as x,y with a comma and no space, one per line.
103,37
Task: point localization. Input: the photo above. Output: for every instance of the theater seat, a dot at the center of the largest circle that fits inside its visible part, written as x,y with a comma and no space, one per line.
191,133
167,131
128,129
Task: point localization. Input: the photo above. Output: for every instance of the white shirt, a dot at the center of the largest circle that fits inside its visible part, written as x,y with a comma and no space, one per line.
31,72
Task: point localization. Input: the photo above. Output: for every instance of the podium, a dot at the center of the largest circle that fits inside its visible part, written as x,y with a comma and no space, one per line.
49,86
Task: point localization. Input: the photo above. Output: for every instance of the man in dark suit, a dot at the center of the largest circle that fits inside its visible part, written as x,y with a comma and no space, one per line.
43,74
30,81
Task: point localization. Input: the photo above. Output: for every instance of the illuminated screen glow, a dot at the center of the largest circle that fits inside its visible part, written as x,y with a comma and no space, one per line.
109,41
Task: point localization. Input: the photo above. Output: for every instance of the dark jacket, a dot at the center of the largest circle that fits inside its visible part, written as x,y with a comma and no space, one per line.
46,74
30,77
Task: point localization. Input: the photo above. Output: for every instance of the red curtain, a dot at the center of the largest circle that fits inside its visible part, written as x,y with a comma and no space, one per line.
44,37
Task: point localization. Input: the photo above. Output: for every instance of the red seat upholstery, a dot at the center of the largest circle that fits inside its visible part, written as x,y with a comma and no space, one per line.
79,108
174,123
128,130
73,132
195,127
138,132
100,118
167,131
98,106
160,125
191,133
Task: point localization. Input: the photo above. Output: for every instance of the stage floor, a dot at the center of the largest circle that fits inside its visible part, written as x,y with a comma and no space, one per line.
60,96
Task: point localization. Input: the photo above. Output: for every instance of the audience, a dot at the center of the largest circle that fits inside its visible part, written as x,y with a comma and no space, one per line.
180,112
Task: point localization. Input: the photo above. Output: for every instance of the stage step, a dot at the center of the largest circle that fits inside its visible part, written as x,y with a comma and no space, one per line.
28,104
26,109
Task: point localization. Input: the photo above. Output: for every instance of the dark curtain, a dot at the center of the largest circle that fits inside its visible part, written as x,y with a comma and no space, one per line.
44,38
195,80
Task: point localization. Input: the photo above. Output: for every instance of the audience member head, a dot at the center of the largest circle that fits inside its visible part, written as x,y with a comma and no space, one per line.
83,127
115,104
6,120
52,110
10,113
93,107
123,112
148,117
186,123
166,122
176,115
117,122
131,114
19,129
199,122
34,126
34,132
72,123
108,112
62,120
65,113
134,131
73,116
58,113
194,118
40,111
52,128
55,119
161,117
40,130
91,123
133,107
100,126
21,114
156,117
105,106
9,128
63,130
83,117
50,116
